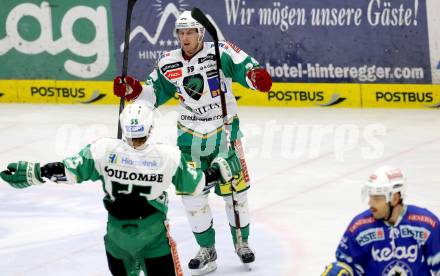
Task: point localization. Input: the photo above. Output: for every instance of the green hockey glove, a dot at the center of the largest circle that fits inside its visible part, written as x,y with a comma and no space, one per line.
22,174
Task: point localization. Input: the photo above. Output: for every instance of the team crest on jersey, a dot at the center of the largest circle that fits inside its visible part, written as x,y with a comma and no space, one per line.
194,86
397,268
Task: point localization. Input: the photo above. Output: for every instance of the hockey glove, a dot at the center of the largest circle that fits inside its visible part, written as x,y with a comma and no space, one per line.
129,87
338,269
228,165
260,79
22,174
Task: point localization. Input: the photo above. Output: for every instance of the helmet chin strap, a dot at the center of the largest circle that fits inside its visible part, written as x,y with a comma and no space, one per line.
387,219
391,208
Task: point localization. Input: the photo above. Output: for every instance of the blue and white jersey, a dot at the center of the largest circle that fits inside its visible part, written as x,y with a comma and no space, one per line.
410,247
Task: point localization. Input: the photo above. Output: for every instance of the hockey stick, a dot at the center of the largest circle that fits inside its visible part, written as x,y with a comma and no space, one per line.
198,15
130,6
174,253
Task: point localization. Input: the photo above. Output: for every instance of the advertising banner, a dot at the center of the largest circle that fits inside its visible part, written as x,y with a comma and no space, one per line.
401,96
301,95
8,91
54,91
57,39
350,41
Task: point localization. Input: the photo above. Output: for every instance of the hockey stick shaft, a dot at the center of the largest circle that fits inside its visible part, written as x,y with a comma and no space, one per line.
176,260
130,6
198,15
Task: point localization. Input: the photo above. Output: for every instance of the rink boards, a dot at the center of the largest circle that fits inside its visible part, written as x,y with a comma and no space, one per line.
282,94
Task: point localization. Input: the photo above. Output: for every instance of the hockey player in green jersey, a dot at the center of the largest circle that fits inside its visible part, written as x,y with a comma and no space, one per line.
134,174
191,72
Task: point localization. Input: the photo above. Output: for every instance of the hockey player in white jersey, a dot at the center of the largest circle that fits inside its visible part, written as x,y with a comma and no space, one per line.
191,72
134,174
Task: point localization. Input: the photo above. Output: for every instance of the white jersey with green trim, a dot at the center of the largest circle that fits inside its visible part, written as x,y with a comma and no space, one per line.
196,83
124,170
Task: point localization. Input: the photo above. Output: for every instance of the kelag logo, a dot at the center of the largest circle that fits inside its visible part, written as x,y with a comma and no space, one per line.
63,40
152,31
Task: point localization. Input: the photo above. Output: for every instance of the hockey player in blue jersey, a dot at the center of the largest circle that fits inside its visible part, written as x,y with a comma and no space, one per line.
391,238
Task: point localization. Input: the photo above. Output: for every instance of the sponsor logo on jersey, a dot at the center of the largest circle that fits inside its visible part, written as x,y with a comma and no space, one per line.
208,57
171,66
120,174
358,223
343,242
112,158
214,86
174,74
202,110
421,97
192,164
420,234
422,218
125,160
385,254
207,66
194,118
150,163
397,268
370,235
234,47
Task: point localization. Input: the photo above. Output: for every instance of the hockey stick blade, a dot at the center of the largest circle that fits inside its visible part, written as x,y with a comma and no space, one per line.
198,15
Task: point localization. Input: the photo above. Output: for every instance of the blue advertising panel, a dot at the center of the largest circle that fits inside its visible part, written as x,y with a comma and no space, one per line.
356,41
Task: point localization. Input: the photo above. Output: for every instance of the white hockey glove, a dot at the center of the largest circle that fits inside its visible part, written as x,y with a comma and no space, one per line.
229,166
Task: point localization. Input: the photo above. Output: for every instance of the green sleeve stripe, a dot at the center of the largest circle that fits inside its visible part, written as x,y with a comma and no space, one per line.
236,71
163,89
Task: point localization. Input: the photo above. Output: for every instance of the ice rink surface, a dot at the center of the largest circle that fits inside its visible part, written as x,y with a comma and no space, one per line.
306,165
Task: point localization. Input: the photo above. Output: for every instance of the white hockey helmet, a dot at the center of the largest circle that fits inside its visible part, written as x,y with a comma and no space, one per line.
137,120
186,21
385,181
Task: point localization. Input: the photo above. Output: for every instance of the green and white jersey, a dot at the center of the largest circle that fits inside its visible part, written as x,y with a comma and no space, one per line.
125,171
196,83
